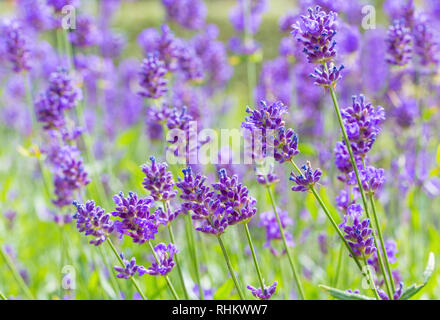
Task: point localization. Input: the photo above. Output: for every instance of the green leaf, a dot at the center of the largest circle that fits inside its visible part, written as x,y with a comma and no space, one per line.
343,295
225,290
415,288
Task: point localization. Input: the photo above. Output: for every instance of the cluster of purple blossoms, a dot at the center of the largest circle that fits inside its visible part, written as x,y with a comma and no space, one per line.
61,95
327,76
86,33
399,40
190,64
269,221
152,77
93,221
267,126
344,201
362,121
164,263
235,196
316,32
267,179
130,269
16,46
214,58
265,293
306,180
36,14
396,296
158,180
70,176
137,220
165,44
190,14
227,203
426,45
372,179
357,232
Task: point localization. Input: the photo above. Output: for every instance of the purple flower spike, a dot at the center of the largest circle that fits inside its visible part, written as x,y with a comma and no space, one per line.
357,232
235,196
372,179
16,45
362,121
306,180
263,294
190,14
327,79
152,77
165,256
130,269
158,180
269,221
137,221
86,33
315,32
93,221
399,44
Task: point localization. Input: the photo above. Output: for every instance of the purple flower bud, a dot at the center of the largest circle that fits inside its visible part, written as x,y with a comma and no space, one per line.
152,77
306,180
263,293
399,41
130,269
165,256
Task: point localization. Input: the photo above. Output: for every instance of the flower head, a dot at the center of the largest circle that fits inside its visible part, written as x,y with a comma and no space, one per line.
137,221
263,293
399,41
130,269
357,232
16,45
86,33
152,77
315,32
328,76
372,179
164,263
93,221
362,121
305,181
190,14
158,180
269,221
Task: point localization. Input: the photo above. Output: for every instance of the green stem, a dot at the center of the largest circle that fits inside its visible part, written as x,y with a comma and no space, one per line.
16,274
370,277
133,280
195,259
329,216
382,243
171,234
254,257
356,171
170,285
2,296
338,266
231,271
283,237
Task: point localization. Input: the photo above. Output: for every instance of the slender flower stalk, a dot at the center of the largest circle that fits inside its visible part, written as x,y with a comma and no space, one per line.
192,244
329,216
2,296
382,243
254,256
171,234
370,277
283,237
133,280
231,270
18,278
358,179
167,279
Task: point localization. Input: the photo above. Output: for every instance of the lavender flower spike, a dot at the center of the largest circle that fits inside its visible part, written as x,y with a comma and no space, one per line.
165,262
93,221
158,180
327,78
16,45
152,77
263,294
315,32
130,269
399,44
306,180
